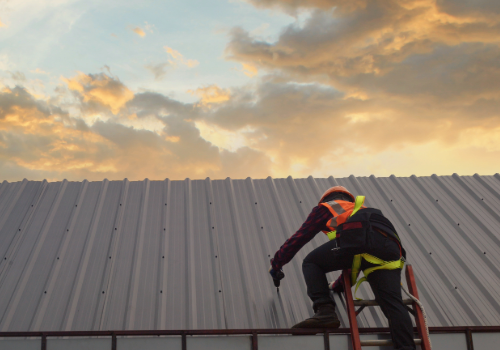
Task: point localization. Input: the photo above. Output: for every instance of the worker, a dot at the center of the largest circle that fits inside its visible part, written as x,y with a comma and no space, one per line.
361,236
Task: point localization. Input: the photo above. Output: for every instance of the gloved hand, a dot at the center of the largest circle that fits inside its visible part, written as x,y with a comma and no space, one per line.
337,286
277,275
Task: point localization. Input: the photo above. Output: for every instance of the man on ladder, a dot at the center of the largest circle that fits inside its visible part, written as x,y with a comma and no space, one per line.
361,239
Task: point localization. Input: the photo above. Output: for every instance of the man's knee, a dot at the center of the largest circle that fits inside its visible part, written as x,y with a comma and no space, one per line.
307,262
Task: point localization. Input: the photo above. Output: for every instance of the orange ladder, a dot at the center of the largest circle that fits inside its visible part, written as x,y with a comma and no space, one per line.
357,343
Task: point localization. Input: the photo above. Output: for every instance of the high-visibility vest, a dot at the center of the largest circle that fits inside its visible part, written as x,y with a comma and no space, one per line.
343,210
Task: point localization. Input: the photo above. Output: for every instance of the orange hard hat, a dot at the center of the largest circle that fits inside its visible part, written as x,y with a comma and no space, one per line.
334,189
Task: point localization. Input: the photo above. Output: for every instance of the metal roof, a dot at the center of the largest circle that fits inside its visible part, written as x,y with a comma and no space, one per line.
194,254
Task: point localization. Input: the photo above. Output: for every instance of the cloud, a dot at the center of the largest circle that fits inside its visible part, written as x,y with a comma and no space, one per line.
40,140
38,71
358,48
99,91
359,87
211,94
18,76
249,70
177,58
303,127
293,6
158,70
279,128
139,31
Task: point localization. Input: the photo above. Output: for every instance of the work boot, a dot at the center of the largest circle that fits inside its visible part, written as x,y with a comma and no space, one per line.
325,317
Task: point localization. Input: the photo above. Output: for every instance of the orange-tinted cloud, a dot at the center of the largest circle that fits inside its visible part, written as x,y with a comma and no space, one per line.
358,45
177,58
249,70
382,86
100,90
211,94
38,71
139,31
38,140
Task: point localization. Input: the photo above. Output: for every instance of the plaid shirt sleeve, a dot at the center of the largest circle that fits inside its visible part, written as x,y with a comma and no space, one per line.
315,222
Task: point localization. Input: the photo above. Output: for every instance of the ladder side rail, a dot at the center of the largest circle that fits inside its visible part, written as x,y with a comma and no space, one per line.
353,323
419,318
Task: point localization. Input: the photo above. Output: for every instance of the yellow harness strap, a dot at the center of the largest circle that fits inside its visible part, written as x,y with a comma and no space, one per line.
358,203
383,265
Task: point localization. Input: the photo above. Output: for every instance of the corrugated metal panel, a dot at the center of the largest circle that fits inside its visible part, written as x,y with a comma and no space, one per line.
194,254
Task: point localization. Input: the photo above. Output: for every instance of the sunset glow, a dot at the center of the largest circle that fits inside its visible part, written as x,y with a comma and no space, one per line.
240,88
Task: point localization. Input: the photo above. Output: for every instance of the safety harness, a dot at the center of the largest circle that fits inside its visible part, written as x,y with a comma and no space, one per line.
356,264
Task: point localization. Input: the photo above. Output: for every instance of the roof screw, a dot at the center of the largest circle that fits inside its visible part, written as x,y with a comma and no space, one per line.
102,292
437,200
216,256
220,291
391,200
19,229
269,256
110,257
165,203
484,252
115,228
300,202
408,224
76,205
458,224
456,287
161,291
210,203
430,253
163,257
120,204
164,229
67,230
255,202
6,258
262,227
57,258
45,292
212,227
32,205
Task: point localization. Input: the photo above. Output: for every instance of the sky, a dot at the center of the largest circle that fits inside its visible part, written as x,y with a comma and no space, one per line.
248,88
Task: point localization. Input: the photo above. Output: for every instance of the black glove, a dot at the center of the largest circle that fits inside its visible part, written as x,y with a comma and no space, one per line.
277,275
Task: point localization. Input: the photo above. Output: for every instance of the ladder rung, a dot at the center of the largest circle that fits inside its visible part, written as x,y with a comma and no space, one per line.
382,342
374,303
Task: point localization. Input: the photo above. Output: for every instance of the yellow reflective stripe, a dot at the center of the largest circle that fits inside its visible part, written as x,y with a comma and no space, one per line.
337,207
358,204
333,222
331,235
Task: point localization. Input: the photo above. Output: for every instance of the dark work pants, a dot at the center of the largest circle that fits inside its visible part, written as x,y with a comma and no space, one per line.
386,284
